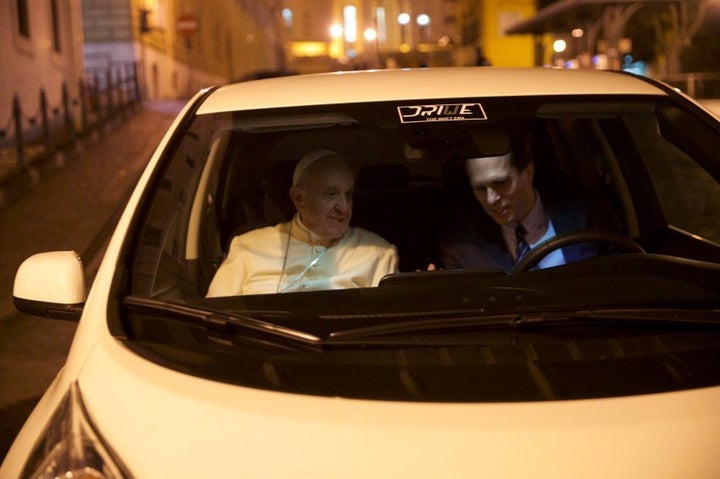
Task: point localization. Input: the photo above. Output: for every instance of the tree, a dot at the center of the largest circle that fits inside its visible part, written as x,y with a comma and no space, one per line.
675,30
704,55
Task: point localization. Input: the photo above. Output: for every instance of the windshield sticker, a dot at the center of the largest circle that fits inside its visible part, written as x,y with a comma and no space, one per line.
443,112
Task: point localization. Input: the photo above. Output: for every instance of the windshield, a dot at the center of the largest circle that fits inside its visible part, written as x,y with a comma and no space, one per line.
618,199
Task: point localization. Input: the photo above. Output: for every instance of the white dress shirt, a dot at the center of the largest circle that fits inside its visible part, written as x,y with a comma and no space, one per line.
539,228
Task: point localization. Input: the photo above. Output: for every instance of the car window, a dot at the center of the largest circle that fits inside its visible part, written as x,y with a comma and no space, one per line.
166,259
690,197
231,172
677,157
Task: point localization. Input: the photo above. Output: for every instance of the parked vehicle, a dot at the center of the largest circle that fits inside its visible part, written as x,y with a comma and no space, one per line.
601,368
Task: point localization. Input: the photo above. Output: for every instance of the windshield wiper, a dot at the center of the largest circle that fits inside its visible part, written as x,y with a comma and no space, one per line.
526,320
667,316
224,322
391,330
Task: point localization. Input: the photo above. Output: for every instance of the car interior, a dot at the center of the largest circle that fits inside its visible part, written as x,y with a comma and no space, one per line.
410,179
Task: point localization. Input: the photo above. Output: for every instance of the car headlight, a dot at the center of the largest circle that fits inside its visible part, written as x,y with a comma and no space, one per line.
70,447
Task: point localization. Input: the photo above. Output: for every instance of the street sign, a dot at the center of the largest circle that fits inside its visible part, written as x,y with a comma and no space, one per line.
186,25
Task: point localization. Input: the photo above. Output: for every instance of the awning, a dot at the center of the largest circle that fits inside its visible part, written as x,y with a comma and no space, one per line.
567,14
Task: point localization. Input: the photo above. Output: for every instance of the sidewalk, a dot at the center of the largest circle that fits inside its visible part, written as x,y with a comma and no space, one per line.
69,202
70,206
712,105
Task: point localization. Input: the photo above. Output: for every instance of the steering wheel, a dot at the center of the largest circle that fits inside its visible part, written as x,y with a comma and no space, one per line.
535,255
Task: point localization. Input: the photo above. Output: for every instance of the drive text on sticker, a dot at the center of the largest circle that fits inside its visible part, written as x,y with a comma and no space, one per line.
444,112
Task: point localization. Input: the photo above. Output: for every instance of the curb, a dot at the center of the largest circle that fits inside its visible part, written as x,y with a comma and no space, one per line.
15,183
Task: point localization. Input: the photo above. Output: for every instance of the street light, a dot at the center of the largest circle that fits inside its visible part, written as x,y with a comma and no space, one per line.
144,21
370,34
371,37
423,20
336,30
559,46
336,43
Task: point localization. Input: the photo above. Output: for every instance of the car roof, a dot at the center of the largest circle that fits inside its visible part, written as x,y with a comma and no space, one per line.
421,83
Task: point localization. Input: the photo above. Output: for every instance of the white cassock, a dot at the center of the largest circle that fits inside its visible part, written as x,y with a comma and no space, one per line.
283,258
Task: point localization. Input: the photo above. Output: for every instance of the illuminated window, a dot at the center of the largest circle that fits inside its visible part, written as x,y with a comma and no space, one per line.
350,20
381,24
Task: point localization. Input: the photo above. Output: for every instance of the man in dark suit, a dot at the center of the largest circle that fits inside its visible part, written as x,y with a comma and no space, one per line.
514,217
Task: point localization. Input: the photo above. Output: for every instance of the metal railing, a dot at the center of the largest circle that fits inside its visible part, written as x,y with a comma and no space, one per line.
697,85
96,101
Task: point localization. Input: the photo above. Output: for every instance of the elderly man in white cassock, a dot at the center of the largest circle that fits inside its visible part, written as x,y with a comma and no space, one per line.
317,249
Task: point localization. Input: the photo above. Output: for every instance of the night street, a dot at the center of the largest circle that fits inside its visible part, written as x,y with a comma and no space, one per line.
71,207
375,238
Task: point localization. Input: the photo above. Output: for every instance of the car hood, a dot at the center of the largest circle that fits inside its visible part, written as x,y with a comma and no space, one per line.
162,423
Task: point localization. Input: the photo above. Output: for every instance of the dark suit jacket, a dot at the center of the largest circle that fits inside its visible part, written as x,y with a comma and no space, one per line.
477,242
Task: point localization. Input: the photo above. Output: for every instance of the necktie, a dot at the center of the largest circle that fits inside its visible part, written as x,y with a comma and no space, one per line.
522,246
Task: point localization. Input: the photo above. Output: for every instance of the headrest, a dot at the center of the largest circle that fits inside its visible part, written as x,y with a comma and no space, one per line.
382,177
277,181
490,142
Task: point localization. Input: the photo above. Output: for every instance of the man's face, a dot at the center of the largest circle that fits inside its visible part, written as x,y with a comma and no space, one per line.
505,193
324,200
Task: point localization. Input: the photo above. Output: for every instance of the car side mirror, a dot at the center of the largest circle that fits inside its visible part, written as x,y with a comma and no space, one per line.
51,285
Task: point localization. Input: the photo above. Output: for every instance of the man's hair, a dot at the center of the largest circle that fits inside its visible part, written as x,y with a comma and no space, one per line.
521,150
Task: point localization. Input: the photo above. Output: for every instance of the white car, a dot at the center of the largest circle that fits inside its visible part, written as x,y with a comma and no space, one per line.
608,367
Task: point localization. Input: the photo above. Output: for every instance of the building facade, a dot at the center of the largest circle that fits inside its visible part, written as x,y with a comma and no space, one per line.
177,47
181,46
482,37
347,34
40,50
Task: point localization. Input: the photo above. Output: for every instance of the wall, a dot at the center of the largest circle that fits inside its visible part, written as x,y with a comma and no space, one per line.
501,49
232,38
481,26
44,59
